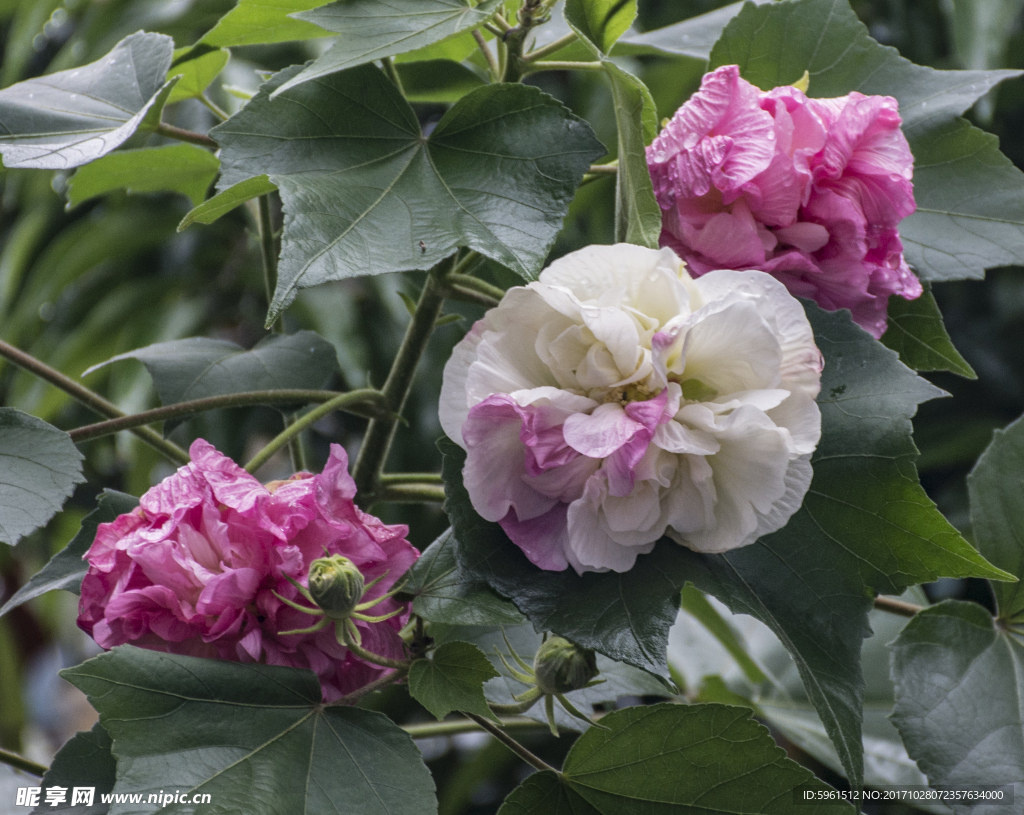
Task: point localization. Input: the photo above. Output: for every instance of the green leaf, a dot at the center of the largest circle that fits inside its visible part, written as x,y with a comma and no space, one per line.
970,205
182,168
39,468
198,66
776,42
452,679
693,37
697,605
637,214
84,761
225,201
376,29
670,759
198,367
959,698
600,22
66,569
437,80
916,332
997,514
72,117
255,737
259,22
444,594
365,193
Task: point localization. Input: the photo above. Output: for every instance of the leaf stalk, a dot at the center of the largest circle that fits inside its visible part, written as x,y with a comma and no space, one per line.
91,400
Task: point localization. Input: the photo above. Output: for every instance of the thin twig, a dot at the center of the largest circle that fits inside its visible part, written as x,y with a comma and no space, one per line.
376,444
369,409
511,743
423,730
551,47
604,169
894,606
21,763
475,284
300,424
172,132
397,493
553,65
492,61
90,399
411,478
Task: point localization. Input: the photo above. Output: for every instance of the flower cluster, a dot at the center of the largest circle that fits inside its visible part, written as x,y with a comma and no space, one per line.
808,190
194,570
618,400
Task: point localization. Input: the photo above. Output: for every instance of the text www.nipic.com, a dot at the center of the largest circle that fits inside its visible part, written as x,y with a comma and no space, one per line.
162,798
56,796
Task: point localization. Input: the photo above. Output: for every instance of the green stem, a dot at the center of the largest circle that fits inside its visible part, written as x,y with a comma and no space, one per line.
215,109
268,249
475,285
612,168
397,493
392,72
379,434
172,132
551,47
552,65
512,744
368,409
301,423
492,61
898,607
21,763
411,478
424,730
91,400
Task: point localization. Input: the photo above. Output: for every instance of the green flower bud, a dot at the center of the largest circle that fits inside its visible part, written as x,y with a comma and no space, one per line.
561,666
336,585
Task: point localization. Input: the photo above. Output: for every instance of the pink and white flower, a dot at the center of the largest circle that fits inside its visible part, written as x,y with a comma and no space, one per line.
809,190
618,400
194,568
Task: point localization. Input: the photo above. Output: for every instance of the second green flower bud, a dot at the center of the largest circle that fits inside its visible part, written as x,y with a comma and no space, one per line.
336,585
561,666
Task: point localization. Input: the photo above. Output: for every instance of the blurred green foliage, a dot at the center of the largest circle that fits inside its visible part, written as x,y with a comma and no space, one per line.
79,286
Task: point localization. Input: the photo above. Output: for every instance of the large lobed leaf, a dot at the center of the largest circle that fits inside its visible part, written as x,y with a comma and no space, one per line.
365,192
866,527
67,568
72,117
376,29
39,468
255,737
672,760
969,214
